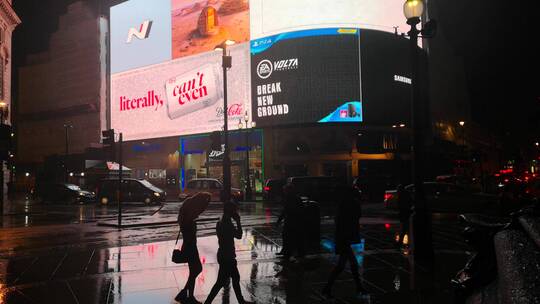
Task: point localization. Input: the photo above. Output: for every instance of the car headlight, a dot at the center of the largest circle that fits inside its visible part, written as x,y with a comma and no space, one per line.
81,194
156,194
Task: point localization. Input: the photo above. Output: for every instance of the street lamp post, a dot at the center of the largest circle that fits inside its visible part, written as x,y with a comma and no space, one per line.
462,124
241,125
226,64
3,108
422,245
67,126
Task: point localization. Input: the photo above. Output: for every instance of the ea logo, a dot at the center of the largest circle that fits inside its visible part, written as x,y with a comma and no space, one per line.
264,69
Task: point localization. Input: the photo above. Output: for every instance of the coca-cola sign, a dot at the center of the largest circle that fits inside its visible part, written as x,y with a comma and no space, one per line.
235,109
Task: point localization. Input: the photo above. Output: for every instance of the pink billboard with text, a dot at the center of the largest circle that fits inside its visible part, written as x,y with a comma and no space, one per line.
179,97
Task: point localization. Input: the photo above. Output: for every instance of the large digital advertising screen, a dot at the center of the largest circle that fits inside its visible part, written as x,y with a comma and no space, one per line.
293,62
306,76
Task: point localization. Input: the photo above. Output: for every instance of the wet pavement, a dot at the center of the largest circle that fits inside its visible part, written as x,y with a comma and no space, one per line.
81,262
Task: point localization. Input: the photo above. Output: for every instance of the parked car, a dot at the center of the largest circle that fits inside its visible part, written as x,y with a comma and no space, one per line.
443,195
315,188
65,193
133,190
273,189
211,185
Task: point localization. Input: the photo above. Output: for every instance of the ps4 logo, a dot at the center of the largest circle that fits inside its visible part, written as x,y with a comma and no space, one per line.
261,42
142,33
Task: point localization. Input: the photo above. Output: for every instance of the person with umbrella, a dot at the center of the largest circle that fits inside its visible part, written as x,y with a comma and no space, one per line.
190,210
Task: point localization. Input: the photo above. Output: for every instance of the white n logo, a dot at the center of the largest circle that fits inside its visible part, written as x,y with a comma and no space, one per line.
142,33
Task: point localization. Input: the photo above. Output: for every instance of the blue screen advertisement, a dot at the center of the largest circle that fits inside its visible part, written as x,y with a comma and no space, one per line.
306,76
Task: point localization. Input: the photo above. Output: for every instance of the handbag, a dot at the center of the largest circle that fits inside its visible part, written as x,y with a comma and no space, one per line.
178,255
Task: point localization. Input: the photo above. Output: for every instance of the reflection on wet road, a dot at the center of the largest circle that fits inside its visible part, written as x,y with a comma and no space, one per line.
104,265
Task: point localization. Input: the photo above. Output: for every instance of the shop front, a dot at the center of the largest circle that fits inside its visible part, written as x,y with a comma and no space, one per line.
198,160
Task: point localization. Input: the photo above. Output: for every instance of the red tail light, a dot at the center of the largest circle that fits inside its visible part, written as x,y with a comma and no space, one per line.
387,196
266,188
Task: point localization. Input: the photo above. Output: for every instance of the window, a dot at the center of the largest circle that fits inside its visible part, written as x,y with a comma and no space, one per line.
215,185
205,185
192,184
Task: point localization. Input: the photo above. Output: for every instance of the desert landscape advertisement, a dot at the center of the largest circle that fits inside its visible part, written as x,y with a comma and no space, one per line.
198,26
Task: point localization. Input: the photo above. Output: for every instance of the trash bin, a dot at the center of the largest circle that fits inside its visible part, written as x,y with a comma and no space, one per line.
311,220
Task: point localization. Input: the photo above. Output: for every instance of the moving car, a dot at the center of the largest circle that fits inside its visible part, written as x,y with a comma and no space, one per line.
273,189
315,188
133,190
66,193
211,185
443,196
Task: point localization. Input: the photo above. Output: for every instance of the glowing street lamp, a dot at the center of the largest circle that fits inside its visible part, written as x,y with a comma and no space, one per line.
413,9
3,111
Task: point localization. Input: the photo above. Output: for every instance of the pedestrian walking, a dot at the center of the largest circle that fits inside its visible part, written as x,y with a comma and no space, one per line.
346,233
226,255
404,201
189,211
292,236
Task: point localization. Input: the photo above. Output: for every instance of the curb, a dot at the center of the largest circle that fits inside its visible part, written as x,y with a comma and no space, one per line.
149,224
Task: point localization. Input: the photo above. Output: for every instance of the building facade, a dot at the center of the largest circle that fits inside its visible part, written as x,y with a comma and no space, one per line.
8,22
61,77
70,88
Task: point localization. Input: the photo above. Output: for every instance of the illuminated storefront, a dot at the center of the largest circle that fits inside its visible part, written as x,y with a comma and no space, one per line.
199,161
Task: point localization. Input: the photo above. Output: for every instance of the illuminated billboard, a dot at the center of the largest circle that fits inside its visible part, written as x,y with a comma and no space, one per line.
306,76
184,96
166,78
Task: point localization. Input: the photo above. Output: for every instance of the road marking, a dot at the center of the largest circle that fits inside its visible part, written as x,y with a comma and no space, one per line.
88,264
58,267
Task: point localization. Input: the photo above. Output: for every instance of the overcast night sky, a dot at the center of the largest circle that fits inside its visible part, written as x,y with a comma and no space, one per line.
497,40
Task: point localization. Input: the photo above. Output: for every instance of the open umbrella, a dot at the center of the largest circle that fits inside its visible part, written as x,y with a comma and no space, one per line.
194,206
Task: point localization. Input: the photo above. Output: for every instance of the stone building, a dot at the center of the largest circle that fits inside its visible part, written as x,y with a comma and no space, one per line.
8,21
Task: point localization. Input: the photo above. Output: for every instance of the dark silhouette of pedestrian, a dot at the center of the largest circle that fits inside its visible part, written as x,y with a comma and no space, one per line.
188,227
346,233
292,236
226,255
404,201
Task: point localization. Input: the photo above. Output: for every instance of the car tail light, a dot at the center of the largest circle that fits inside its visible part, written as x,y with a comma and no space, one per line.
388,196
266,188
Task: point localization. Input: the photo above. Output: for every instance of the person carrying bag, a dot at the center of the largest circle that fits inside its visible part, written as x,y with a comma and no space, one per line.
188,253
178,257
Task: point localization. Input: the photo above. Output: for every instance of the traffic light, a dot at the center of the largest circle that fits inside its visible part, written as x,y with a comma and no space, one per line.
215,141
5,141
108,137
108,141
